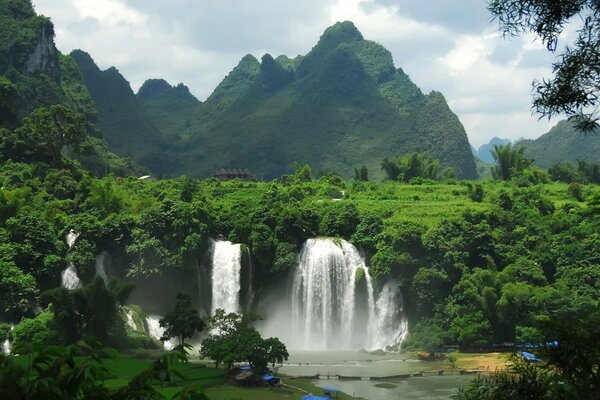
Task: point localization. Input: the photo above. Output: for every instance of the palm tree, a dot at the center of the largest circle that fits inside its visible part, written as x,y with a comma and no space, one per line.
510,161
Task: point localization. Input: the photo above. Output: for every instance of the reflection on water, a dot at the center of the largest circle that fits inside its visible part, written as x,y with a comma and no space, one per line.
353,363
350,363
423,388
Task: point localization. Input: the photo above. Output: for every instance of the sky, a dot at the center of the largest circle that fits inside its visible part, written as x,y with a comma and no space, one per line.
451,46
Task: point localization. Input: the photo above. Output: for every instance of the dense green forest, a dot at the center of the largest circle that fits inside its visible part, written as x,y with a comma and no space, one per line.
480,261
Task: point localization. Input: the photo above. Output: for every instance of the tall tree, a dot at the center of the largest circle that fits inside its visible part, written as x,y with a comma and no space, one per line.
576,83
46,131
509,161
183,321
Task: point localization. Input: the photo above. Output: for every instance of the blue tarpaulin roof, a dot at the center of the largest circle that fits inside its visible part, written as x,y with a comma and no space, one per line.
330,389
245,367
312,397
530,356
269,377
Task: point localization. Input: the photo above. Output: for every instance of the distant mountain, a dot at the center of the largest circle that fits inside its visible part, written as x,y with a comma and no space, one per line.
342,105
172,109
124,124
563,143
485,151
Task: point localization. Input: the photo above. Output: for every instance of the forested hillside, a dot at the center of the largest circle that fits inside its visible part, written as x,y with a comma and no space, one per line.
342,105
33,73
563,143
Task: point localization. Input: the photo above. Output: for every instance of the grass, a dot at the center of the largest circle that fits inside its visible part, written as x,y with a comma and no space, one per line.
211,380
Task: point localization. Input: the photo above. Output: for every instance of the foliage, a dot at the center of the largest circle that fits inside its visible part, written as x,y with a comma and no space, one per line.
569,368
510,161
573,89
411,166
37,332
78,371
183,321
18,291
233,339
89,311
43,135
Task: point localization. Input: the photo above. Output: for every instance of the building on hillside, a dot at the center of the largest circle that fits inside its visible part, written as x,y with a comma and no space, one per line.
224,174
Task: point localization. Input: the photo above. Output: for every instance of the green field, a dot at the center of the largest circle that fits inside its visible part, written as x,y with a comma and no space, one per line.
210,380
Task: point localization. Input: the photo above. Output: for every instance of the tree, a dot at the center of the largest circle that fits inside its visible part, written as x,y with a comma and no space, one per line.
361,174
428,336
18,291
234,339
89,311
78,371
570,367
510,161
183,321
44,133
575,86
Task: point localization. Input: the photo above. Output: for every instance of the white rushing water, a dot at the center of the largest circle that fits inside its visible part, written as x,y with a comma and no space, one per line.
387,324
69,278
225,276
156,331
326,314
130,321
101,262
71,238
6,345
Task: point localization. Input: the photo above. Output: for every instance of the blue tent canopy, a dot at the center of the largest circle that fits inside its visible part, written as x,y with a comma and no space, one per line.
530,356
312,397
330,389
246,367
269,377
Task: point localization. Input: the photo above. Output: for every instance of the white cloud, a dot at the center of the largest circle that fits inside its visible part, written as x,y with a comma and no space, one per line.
110,12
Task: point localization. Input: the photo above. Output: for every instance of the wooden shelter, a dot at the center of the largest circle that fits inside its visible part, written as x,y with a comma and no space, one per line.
224,174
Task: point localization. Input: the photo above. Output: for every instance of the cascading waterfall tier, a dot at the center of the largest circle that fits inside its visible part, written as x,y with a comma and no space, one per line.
101,262
325,307
156,331
68,277
6,345
225,276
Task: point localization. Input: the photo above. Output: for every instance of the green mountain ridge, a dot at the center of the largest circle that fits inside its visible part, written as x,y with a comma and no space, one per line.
342,105
123,123
563,143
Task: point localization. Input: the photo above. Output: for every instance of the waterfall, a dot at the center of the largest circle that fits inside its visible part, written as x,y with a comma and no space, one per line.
101,261
69,278
156,331
130,321
324,301
71,238
387,325
6,345
225,276
250,296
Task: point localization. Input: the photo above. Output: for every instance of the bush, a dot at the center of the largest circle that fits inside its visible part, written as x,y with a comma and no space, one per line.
37,332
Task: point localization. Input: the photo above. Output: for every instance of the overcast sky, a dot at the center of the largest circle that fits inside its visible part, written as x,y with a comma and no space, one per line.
445,45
